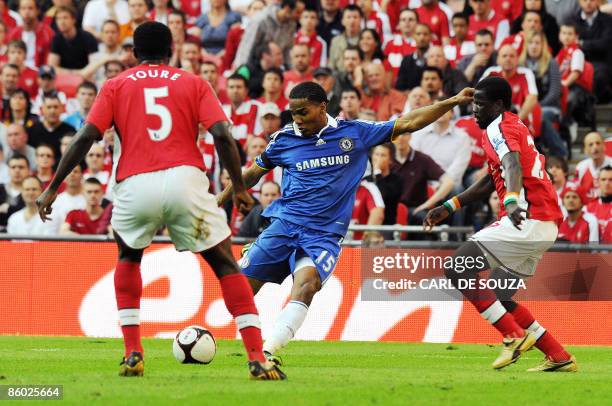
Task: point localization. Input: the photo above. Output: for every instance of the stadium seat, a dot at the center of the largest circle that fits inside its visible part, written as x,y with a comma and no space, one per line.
68,84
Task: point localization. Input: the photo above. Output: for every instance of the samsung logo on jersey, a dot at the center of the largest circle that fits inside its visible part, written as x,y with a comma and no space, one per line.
322,162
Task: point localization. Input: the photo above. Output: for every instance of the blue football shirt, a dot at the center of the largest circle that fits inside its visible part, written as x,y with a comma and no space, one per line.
321,173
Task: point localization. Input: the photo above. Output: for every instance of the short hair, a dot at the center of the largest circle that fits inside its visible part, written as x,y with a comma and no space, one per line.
93,181
389,147
435,69
36,178
209,62
277,72
288,3
179,13
66,9
570,24
19,44
423,25
46,145
357,49
352,7
484,32
109,63
11,66
88,85
113,22
19,157
152,40
461,16
238,76
310,91
557,161
411,10
51,96
496,88
605,168
351,89
271,182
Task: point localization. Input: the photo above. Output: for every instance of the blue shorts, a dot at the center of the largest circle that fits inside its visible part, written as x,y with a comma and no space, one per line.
273,256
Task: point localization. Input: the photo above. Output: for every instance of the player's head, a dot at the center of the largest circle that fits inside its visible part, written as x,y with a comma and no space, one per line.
308,103
493,96
605,181
152,41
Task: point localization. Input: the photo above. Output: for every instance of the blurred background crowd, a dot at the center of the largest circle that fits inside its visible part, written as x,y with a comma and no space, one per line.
376,59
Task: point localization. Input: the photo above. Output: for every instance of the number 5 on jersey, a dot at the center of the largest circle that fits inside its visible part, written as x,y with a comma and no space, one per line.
159,110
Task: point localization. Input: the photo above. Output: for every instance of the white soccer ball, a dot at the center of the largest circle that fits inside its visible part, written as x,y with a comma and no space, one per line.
194,345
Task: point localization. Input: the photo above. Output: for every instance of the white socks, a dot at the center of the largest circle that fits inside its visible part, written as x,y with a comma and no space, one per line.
287,324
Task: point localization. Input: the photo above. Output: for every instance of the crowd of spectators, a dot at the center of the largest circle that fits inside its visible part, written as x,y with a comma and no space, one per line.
376,59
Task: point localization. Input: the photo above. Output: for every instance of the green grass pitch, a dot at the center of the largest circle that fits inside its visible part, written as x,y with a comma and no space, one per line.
320,373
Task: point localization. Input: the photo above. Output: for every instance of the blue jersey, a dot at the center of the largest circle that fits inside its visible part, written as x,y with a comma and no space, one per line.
321,173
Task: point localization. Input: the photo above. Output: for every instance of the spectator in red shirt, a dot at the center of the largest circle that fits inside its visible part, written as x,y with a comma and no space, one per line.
601,208
350,104
10,19
401,44
34,33
369,207
209,72
558,170
549,24
377,97
160,11
3,47
508,9
95,165
486,18
27,76
587,170
273,89
532,21
301,70
307,35
462,43
88,221
376,20
242,112
578,226
435,18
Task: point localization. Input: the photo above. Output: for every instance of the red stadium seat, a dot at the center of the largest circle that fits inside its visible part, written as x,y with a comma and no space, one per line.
68,83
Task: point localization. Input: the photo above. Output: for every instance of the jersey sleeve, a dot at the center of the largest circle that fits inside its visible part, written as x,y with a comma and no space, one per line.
210,110
373,133
270,158
101,114
504,139
577,62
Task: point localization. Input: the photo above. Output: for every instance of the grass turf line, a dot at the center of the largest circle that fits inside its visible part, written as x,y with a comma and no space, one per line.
322,373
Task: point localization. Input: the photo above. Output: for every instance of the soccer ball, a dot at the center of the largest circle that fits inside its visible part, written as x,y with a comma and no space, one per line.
194,345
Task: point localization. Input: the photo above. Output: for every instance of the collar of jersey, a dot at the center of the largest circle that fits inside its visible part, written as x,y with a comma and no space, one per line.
331,122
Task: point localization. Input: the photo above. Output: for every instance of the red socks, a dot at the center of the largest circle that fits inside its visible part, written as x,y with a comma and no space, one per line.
238,297
128,290
546,342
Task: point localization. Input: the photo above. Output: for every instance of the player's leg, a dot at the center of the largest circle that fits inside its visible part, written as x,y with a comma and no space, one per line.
557,358
128,290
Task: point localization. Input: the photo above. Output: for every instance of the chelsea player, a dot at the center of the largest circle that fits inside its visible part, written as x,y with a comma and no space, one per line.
323,160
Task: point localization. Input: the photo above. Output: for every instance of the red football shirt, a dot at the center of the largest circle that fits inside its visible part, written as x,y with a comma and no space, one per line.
28,81
470,126
538,196
603,213
156,110
396,49
508,9
318,48
582,231
81,223
437,20
244,120
367,197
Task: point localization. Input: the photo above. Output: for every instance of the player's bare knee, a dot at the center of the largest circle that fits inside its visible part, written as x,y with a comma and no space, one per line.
305,290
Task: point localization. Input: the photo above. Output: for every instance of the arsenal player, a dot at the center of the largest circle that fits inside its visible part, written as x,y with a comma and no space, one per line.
156,109
601,208
512,246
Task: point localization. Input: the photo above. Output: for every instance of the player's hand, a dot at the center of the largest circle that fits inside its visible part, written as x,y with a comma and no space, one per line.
466,96
515,213
243,202
435,216
44,202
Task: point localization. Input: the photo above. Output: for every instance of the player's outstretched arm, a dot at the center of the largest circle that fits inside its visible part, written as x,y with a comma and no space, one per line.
230,159
479,190
513,176
75,153
250,177
422,117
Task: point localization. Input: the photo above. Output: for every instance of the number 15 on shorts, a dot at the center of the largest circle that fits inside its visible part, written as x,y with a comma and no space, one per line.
326,260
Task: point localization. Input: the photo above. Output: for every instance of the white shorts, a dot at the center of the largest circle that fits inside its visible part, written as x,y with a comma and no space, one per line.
177,198
518,251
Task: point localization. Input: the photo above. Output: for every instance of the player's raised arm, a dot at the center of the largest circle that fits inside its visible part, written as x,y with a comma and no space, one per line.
75,153
422,117
230,159
250,178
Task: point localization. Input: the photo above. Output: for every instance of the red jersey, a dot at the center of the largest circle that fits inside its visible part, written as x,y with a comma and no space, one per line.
603,213
454,52
28,81
571,59
81,223
507,8
232,41
282,102
437,20
538,196
582,231
244,120
156,110
496,23
396,49
9,20
379,22
191,8
587,175
43,34
368,197
206,146
318,48
470,126
517,41
292,78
